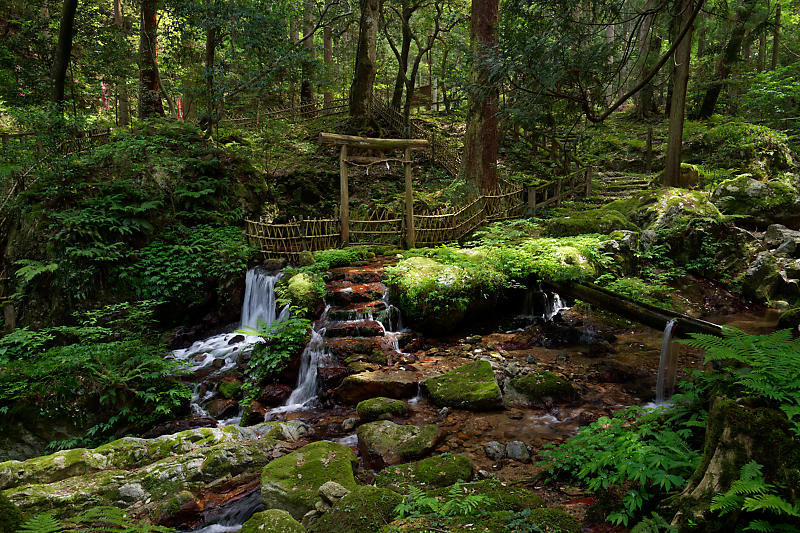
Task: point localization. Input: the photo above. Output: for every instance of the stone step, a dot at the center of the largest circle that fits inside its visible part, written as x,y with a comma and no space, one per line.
355,328
345,293
358,311
377,350
367,274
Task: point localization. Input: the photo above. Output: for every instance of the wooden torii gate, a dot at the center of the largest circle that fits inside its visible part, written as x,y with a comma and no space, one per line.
381,145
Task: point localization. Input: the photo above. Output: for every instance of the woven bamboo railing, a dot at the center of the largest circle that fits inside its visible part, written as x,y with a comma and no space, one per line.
554,192
292,112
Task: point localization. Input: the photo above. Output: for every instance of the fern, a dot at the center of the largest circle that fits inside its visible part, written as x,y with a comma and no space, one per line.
41,523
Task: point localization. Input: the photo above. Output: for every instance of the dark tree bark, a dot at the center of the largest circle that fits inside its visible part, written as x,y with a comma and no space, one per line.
327,56
645,104
729,57
402,58
307,84
762,51
366,66
776,38
63,50
123,102
211,100
480,140
680,79
149,98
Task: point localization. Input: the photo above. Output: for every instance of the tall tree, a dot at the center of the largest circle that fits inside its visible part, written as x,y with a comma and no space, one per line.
63,50
123,112
480,141
307,84
149,98
776,38
680,80
651,49
366,64
729,57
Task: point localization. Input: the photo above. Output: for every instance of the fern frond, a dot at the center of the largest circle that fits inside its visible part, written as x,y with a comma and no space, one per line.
41,523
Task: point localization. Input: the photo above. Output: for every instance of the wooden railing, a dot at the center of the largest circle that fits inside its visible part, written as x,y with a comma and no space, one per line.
290,112
554,192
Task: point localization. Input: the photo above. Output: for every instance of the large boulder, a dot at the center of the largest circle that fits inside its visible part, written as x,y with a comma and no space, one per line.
471,386
303,292
775,200
603,221
542,386
292,482
429,473
170,479
389,382
386,443
381,407
272,521
365,509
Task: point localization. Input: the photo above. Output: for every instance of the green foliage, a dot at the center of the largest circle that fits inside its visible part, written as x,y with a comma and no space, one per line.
738,144
762,367
646,451
42,523
180,264
128,384
505,232
454,503
30,269
775,94
107,519
640,290
752,494
282,340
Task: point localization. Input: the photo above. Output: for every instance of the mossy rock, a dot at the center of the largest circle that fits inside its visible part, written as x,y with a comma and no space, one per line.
501,497
666,208
774,200
10,517
541,385
602,221
230,389
272,521
790,319
304,292
430,473
380,408
291,482
471,386
555,520
365,509
386,443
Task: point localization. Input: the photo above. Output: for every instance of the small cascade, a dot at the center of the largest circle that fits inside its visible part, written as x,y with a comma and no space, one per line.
306,390
259,298
667,365
553,306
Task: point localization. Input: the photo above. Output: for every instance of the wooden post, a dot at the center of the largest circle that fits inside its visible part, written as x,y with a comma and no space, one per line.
532,200
410,240
344,197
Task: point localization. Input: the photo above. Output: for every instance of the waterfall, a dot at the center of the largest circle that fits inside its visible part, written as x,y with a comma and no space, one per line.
259,298
553,307
667,365
306,389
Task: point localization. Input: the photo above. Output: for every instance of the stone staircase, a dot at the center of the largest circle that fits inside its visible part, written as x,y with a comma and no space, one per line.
611,186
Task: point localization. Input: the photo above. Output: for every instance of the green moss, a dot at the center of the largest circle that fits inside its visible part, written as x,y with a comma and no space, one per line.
380,407
501,497
472,386
555,520
601,221
230,389
291,482
272,521
364,510
396,443
10,517
536,386
430,473
789,319
303,292
745,195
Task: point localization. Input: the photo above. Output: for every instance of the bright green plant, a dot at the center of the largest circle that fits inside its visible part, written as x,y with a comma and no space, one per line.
107,519
455,503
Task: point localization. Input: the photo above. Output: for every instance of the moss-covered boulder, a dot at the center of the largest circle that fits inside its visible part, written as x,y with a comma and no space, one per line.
10,517
272,521
380,408
291,482
501,497
542,385
774,200
471,386
230,388
666,208
385,382
602,221
429,473
302,291
386,443
365,509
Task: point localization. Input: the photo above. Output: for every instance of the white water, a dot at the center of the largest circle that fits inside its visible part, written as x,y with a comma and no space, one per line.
667,365
553,307
223,351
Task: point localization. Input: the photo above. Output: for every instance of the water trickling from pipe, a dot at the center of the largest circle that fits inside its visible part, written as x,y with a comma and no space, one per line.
667,365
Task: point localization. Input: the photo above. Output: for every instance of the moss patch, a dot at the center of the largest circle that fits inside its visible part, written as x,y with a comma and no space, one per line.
365,509
272,521
303,292
376,408
394,443
472,386
503,497
602,221
430,473
536,386
10,517
291,482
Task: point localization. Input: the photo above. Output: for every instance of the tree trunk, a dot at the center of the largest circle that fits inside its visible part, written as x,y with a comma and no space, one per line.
402,61
63,50
480,140
366,66
762,51
680,80
776,38
307,85
327,56
211,100
123,111
729,56
149,98
644,98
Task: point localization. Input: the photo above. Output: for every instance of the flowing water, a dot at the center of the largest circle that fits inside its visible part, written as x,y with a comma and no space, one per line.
667,365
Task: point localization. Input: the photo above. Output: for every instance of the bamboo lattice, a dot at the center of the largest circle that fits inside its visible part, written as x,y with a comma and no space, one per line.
378,227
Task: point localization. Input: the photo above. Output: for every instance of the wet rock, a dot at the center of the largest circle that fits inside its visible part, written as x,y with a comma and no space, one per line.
430,473
539,387
236,339
443,412
303,293
330,377
230,388
793,270
386,443
531,360
218,363
349,424
332,492
292,482
762,280
495,451
274,395
371,349
355,328
380,408
347,293
484,474
366,508
471,386
272,521
309,519
364,275
518,451
253,413
176,426
384,382
221,408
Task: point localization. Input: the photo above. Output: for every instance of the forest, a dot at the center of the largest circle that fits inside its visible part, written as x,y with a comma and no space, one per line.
400,266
